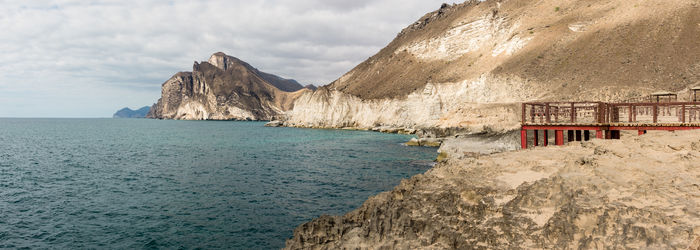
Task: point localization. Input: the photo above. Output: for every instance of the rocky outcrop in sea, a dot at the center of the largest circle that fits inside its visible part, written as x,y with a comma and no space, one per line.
225,88
130,113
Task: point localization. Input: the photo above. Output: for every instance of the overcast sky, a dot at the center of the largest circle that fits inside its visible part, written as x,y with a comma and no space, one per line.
80,58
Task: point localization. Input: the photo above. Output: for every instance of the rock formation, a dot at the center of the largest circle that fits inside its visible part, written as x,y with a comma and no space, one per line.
642,192
469,65
130,113
225,88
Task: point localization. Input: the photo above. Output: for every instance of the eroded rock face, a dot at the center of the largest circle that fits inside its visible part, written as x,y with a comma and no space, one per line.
464,64
472,106
225,88
639,192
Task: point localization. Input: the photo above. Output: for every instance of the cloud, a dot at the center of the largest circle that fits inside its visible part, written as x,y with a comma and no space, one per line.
75,58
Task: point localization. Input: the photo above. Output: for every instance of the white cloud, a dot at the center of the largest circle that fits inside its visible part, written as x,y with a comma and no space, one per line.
80,58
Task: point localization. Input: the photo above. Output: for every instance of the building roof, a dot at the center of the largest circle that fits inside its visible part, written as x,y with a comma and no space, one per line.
662,93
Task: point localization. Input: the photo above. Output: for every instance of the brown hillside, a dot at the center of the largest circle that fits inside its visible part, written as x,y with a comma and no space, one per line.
563,47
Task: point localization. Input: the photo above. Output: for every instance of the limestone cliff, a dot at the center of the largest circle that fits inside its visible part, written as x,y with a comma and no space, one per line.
468,65
225,88
641,192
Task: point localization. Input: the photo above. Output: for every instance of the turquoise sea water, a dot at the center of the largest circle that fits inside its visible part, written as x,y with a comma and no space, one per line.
135,184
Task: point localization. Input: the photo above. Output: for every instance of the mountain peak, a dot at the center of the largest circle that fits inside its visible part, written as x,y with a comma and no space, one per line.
241,92
311,87
225,62
221,60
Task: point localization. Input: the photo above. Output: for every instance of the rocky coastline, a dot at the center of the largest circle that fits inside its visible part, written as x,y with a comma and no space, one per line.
456,78
638,192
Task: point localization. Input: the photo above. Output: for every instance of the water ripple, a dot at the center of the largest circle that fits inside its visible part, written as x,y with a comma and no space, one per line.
106,183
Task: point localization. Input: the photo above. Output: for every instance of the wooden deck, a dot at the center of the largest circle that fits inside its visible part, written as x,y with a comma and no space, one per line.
617,124
606,119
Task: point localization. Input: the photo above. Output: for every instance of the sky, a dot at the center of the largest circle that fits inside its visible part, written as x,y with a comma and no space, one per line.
89,58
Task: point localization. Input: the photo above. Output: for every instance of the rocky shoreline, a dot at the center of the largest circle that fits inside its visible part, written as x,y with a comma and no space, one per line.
638,192
427,137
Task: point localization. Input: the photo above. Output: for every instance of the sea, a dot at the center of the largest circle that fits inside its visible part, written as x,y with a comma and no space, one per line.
163,184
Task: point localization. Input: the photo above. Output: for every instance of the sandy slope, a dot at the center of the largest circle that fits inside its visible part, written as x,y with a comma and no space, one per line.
639,192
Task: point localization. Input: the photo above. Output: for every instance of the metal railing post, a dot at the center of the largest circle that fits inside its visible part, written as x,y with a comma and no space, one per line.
683,113
630,114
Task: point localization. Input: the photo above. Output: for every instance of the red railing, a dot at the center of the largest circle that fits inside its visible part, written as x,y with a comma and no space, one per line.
563,112
604,113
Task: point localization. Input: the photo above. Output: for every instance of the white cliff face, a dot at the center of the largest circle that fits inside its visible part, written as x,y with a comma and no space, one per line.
219,60
191,111
487,32
196,110
477,105
484,104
